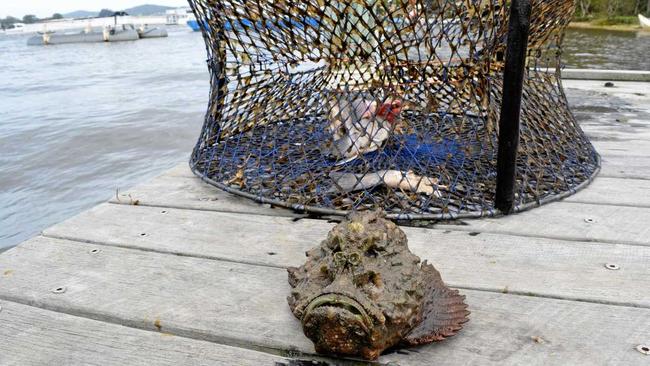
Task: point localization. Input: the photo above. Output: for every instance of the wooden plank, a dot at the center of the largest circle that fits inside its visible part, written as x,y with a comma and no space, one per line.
609,75
244,304
615,191
626,158
635,167
635,91
189,192
545,267
609,131
622,147
606,114
180,170
33,336
175,189
615,224
571,221
615,125
236,237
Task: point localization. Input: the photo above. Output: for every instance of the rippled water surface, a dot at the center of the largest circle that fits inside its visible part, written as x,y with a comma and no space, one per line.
598,49
79,121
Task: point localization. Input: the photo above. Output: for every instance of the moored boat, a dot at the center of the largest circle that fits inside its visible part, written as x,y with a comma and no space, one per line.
109,34
18,28
193,23
147,32
645,22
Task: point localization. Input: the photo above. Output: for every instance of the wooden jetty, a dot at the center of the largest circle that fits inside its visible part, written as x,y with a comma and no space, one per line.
176,272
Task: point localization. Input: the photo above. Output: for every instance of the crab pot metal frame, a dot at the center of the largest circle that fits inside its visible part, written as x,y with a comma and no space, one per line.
513,84
397,105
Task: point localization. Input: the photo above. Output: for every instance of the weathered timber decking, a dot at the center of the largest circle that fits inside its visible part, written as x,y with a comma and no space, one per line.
192,275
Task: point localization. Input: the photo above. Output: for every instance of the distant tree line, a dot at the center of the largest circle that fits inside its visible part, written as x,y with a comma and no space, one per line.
105,13
8,22
611,8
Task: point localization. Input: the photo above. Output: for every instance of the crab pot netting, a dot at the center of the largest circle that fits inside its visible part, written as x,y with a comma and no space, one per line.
333,106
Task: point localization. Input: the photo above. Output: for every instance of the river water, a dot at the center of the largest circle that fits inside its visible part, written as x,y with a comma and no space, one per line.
78,122
598,49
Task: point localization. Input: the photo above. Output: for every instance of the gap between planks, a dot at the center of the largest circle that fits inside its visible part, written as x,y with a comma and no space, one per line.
502,290
75,340
470,260
244,304
563,220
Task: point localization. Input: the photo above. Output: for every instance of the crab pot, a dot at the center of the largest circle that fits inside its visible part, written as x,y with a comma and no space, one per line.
337,106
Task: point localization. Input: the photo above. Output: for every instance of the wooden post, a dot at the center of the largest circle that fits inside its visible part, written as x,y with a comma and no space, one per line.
513,78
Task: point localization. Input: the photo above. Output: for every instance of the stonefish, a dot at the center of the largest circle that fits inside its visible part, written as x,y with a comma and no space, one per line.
362,292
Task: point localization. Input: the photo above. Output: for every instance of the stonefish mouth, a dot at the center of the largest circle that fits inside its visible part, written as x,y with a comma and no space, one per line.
337,324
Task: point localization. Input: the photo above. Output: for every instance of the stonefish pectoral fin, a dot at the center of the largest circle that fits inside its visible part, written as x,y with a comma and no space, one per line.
444,311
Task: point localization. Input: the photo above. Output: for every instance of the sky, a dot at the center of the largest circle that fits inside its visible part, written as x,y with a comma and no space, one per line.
45,8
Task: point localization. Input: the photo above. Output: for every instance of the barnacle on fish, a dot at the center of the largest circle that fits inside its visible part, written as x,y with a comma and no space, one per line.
362,291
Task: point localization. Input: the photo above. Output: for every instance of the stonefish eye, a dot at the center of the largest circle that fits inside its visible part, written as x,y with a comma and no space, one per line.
354,258
339,259
342,259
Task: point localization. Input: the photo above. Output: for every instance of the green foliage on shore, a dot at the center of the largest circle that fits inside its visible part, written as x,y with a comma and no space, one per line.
610,12
617,20
8,22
